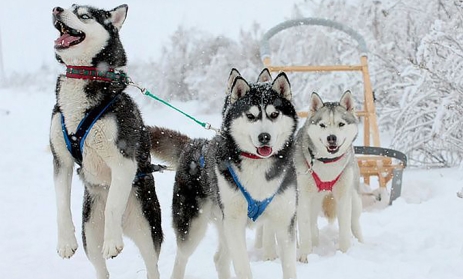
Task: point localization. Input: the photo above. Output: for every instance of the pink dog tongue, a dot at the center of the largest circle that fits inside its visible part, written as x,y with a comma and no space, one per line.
264,151
65,40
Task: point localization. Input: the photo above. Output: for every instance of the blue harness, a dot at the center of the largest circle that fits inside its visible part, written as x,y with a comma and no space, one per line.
255,208
75,141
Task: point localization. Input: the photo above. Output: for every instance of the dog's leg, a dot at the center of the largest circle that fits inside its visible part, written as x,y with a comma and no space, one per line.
315,208
235,228
270,252
145,233
92,231
122,175
187,241
67,243
344,212
286,237
258,237
303,222
222,256
356,212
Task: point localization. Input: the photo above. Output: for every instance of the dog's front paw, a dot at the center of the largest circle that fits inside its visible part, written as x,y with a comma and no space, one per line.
303,259
112,248
67,246
270,255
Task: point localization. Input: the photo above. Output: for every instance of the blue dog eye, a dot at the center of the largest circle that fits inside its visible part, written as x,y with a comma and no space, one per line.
85,16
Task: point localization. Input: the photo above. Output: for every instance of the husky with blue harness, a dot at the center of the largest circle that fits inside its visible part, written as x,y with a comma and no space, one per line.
244,176
98,127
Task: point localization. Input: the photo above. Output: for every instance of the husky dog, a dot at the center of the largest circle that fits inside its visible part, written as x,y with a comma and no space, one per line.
230,180
99,127
328,176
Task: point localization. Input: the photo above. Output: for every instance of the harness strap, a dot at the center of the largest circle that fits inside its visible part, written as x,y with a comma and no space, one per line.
255,208
324,185
75,141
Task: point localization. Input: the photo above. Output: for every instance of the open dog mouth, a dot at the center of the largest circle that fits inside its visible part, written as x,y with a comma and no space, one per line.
264,151
333,148
68,36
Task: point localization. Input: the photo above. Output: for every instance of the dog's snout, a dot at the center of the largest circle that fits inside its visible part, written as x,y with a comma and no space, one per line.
331,139
57,10
264,138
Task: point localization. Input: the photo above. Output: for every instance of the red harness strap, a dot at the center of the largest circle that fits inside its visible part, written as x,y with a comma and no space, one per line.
324,185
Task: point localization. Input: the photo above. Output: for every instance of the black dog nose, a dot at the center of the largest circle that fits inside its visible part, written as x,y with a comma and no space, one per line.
57,10
331,139
264,138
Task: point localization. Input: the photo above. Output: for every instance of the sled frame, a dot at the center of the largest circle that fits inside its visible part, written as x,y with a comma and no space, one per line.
373,160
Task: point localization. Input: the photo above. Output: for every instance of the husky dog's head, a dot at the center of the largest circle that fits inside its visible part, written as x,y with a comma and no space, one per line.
260,117
89,36
331,126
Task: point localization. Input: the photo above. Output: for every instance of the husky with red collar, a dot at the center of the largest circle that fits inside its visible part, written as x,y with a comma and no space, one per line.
328,176
98,127
242,177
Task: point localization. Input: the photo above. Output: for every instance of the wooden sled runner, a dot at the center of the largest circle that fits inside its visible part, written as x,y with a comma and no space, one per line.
374,160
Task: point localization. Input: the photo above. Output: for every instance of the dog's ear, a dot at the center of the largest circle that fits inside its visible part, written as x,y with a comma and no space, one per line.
231,78
264,76
239,88
315,102
118,15
281,86
347,101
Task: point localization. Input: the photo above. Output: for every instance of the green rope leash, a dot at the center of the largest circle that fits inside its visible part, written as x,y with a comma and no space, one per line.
146,92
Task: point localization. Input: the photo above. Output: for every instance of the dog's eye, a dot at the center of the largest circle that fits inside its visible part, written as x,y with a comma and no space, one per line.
274,114
341,124
322,125
85,16
250,116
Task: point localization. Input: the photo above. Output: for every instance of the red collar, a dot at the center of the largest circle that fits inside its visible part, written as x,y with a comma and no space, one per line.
330,160
93,73
250,155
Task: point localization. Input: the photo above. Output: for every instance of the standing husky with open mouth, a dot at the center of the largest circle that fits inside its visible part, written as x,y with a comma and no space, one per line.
97,126
328,175
243,176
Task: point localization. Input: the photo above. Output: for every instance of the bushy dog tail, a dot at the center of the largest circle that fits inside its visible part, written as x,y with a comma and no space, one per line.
167,145
329,207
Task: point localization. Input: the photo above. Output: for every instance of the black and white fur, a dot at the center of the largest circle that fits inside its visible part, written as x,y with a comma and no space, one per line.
257,116
116,147
328,133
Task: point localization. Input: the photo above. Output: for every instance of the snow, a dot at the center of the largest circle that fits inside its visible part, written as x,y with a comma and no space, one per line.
419,236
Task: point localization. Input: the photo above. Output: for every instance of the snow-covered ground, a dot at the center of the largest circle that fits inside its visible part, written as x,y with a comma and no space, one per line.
419,236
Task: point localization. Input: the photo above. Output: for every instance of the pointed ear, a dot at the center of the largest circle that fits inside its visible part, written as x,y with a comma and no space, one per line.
315,102
239,88
231,78
264,76
118,15
281,86
347,101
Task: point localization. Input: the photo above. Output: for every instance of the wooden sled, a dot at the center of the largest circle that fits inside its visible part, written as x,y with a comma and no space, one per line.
374,160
